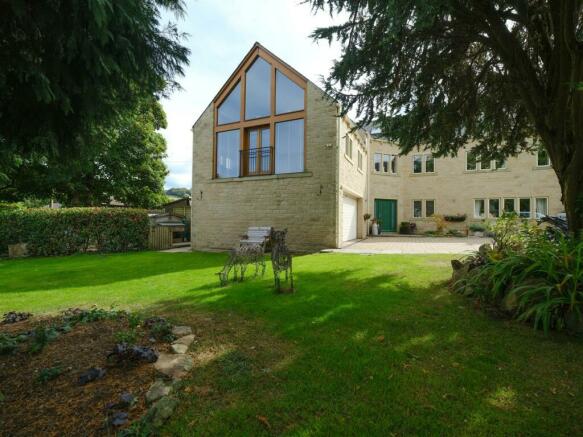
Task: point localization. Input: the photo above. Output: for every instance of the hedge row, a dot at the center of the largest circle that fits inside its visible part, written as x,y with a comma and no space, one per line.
70,230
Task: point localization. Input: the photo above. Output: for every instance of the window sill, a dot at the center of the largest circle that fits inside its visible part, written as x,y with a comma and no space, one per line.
434,173
495,170
263,178
360,170
349,159
380,173
542,167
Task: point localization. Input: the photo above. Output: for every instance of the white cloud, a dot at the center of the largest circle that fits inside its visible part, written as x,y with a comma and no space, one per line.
221,33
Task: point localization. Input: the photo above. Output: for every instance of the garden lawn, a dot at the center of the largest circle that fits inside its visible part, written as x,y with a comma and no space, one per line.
367,345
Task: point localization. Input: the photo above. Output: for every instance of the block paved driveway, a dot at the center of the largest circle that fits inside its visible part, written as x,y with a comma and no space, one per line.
412,245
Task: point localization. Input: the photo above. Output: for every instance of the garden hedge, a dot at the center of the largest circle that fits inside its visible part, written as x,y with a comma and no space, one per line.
70,230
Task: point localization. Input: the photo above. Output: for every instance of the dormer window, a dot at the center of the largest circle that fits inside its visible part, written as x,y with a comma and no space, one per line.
260,119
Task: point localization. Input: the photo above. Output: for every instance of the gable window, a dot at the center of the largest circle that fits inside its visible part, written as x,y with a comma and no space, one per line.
377,162
289,97
359,160
417,163
417,209
479,208
257,153
228,154
258,90
230,110
259,119
524,205
542,209
509,205
289,146
348,146
542,158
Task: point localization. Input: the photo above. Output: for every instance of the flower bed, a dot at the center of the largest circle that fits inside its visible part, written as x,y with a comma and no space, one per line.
85,372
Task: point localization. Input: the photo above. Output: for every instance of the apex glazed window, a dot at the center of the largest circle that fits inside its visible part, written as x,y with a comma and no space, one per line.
259,120
258,90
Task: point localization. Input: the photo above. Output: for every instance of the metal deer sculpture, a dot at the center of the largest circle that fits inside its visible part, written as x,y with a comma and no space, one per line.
239,259
281,260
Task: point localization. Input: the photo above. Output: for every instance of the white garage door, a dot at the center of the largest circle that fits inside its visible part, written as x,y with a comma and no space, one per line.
348,218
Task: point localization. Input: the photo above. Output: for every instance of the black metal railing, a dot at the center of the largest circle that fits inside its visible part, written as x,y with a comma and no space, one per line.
256,162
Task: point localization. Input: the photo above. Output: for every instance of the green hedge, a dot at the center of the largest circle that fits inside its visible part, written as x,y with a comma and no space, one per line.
70,230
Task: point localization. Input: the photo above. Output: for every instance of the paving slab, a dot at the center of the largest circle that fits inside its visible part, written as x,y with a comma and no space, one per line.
413,245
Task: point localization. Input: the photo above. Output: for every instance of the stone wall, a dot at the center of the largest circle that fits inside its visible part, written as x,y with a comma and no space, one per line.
353,181
454,189
304,203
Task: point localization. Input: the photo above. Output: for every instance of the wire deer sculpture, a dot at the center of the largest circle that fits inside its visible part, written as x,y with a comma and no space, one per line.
281,260
239,259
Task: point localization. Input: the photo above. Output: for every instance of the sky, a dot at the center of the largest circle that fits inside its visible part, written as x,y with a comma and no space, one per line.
221,32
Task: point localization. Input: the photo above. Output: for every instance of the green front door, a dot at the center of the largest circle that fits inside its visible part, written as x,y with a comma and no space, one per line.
385,210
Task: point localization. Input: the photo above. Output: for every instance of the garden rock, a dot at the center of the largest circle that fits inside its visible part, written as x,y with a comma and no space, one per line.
126,353
126,400
175,366
91,375
186,340
181,331
148,323
13,317
178,348
119,418
161,411
157,390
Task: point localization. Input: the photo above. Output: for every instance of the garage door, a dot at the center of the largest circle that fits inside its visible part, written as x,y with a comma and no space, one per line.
348,218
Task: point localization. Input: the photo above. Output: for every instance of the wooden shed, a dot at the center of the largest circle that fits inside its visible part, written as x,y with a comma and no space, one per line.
167,231
179,208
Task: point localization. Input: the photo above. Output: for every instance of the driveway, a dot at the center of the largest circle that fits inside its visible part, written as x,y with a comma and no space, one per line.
413,245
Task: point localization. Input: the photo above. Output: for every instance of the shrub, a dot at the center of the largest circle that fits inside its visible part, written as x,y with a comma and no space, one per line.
512,232
541,281
8,344
70,230
41,336
73,316
128,337
48,374
407,228
439,223
162,330
455,218
477,227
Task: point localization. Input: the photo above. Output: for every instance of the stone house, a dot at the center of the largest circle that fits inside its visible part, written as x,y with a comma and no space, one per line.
272,150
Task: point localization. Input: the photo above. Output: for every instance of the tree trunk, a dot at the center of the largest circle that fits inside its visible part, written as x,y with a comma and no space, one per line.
572,191
570,175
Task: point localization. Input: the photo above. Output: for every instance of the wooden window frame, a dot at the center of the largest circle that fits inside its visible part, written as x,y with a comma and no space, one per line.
239,76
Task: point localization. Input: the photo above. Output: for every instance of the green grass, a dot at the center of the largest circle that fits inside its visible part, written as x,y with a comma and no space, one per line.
367,345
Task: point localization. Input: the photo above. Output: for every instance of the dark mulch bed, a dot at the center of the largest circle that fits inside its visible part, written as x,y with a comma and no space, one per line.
61,406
